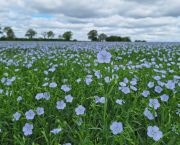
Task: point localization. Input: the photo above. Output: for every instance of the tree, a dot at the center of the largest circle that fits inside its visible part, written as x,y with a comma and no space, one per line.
140,41
92,35
44,34
30,33
118,38
102,37
113,38
9,32
1,30
126,39
67,35
50,34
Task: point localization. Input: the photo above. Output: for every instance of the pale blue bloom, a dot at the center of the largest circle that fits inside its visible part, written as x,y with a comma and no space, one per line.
46,95
88,79
120,101
154,132
46,72
45,84
69,98
116,127
78,80
40,110
99,99
39,96
170,85
30,115
60,105
122,84
80,110
164,97
154,103
107,79
151,84
104,57
98,74
178,111
133,88
67,144
148,114
27,129
16,116
125,90
157,78
53,85
66,88
145,93
19,99
133,82
125,80
1,91
158,89
56,130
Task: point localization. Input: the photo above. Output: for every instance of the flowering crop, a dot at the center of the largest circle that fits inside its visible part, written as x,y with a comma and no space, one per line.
89,93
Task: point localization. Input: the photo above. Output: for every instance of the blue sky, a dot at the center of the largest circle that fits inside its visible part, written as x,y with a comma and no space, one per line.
152,20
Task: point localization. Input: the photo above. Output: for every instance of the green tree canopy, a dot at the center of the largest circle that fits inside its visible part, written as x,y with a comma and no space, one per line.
102,37
50,34
9,32
67,35
118,38
30,33
93,35
1,30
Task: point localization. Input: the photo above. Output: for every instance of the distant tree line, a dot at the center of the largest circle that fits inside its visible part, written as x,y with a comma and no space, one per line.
93,36
140,40
7,33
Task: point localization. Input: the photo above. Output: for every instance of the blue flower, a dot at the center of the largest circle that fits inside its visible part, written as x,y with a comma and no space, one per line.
40,110
30,115
56,130
116,127
27,129
104,57
66,88
154,103
164,97
60,105
53,85
16,116
154,132
80,110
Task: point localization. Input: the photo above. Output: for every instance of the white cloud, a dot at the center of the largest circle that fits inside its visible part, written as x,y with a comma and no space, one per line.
142,19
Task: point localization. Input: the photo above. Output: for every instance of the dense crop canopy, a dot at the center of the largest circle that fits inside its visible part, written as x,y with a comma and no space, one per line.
89,93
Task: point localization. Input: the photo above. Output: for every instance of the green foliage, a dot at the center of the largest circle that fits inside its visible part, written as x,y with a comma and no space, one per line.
95,128
9,33
50,34
30,33
140,40
93,35
102,37
1,30
67,35
118,39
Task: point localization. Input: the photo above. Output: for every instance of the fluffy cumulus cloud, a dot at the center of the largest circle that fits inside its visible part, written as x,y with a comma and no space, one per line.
151,20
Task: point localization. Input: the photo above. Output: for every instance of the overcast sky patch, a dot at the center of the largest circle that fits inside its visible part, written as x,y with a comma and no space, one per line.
151,20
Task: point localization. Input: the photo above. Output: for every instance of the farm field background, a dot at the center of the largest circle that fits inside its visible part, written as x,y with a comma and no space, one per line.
88,93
